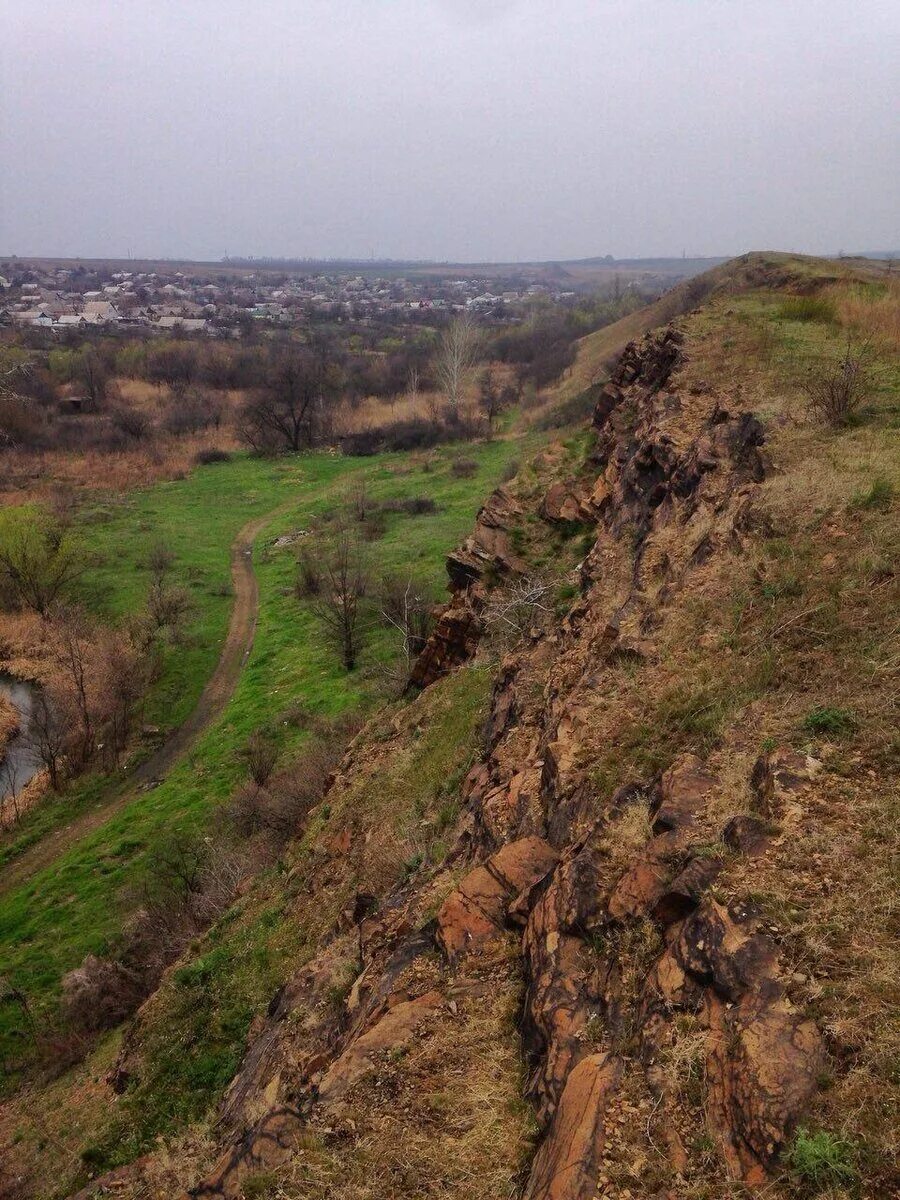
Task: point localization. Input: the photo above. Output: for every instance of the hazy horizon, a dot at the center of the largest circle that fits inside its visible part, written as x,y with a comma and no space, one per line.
435,131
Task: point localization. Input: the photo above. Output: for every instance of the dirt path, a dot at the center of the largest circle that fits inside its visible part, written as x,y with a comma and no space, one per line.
216,694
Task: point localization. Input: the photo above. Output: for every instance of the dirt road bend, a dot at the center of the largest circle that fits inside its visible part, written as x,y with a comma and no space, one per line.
215,695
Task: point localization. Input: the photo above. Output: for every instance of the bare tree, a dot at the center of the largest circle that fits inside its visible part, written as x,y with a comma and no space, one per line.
125,667
490,398
74,656
9,790
456,357
131,422
406,608
47,737
91,374
292,410
344,585
39,559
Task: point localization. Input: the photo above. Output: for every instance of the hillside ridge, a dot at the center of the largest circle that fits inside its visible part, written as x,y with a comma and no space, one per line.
579,914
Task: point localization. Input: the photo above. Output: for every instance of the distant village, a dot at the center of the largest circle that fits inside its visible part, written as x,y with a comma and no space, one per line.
65,299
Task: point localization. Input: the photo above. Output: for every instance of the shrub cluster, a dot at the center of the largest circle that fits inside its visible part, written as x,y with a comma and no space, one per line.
190,881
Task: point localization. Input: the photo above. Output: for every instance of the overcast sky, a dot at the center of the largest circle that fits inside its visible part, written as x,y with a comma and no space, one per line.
449,129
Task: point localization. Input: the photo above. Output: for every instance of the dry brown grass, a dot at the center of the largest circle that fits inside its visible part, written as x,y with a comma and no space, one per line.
375,413
816,594
27,476
441,1119
625,835
9,721
874,312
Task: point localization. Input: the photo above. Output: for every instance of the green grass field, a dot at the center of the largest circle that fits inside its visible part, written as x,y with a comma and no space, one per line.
75,907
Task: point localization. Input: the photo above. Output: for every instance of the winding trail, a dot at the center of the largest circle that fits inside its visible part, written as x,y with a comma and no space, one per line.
215,695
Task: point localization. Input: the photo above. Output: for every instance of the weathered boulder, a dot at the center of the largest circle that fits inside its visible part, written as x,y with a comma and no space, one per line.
452,642
778,775
563,501
488,546
683,792
473,916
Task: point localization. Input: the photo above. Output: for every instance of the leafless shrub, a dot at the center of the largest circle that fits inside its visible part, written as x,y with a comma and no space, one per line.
359,501
247,810
62,502
131,422
160,560
519,607
309,577
405,607
100,993
463,468
193,411
412,506
168,606
206,458
279,808
261,755
21,424
374,526
835,391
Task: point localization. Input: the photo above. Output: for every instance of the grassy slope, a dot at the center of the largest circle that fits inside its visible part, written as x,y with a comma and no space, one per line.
194,1028
197,518
597,349
48,925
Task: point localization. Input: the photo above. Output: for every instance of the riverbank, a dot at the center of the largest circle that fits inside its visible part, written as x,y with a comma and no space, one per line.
21,778
9,722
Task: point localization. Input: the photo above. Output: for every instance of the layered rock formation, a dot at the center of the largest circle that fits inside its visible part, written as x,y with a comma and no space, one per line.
642,971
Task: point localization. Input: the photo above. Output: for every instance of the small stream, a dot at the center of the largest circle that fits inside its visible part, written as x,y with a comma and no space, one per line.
19,762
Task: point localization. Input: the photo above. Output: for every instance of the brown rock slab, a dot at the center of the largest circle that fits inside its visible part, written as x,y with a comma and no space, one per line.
778,775
562,502
683,793
568,1161
472,917
395,1028
452,642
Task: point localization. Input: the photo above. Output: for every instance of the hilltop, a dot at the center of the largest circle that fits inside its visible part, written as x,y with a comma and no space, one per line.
602,904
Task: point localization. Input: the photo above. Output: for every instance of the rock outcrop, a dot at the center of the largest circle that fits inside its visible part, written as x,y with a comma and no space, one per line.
615,906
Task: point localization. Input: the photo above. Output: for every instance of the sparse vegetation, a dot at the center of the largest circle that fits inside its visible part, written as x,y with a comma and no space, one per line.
821,1159
825,720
